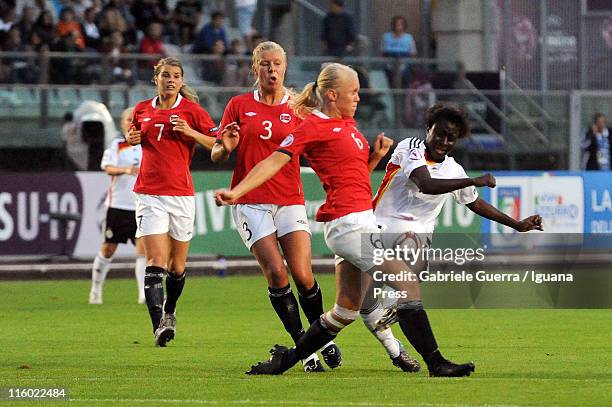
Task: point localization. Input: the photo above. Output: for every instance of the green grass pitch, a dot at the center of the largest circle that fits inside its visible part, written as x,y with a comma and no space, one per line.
104,354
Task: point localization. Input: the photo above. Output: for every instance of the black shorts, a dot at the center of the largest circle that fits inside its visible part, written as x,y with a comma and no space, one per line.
120,226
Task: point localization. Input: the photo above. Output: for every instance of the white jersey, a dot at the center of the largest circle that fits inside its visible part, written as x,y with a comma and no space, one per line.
120,193
398,197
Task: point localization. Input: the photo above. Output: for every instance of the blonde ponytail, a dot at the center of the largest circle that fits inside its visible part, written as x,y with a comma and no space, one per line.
312,96
306,101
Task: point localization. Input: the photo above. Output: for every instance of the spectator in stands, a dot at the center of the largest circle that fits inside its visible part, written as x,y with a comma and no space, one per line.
152,44
596,145
211,33
398,44
187,14
45,29
7,19
370,105
146,12
114,46
90,30
255,40
245,10
68,26
67,70
236,72
214,70
338,34
27,23
112,21
20,70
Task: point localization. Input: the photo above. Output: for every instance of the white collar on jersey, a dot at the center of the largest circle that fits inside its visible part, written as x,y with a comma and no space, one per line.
321,114
178,100
256,97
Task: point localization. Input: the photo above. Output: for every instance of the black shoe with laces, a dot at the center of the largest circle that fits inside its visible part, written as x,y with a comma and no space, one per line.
313,365
282,359
447,368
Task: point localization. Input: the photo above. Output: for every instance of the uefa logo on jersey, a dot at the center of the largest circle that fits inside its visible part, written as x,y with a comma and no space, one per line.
287,141
174,118
285,118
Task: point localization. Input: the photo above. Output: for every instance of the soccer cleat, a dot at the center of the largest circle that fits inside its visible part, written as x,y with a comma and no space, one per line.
279,362
332,355
388,318
313,364
95,297
166,330
449,369
406,362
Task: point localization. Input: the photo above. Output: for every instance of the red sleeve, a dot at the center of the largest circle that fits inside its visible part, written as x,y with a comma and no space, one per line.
203,123
135,124
299,141
230,114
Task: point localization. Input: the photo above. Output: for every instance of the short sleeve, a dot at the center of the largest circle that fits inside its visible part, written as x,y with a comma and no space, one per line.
203,123
110,156
465,195
410,159
299,141
134,123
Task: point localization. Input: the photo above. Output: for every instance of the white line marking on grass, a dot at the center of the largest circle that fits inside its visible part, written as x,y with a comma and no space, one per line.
288,403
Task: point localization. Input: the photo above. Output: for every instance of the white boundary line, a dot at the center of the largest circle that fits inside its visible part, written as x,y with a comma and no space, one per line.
285,403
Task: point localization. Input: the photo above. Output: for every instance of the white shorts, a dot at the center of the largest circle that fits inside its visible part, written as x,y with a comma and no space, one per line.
256,221
353,238
158,214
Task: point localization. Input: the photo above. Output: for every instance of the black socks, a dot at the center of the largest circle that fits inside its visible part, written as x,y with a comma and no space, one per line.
312,302
286,307
174,288
154,293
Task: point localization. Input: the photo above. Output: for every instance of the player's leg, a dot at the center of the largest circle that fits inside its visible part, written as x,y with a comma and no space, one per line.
180,231
139,269
324,329
414,321
372,309
99,270
297,250
157,249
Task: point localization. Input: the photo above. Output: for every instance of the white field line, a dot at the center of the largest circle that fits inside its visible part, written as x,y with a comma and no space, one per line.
285,403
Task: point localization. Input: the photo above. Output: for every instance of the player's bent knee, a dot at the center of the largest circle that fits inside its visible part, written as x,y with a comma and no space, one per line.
339,317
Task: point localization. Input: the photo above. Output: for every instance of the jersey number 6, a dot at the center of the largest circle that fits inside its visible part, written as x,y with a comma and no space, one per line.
267,127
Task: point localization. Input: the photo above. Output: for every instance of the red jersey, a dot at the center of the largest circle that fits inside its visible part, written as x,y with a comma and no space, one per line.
262,128
166,154
339,155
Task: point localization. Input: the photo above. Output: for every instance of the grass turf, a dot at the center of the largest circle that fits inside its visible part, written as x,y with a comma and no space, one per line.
104,354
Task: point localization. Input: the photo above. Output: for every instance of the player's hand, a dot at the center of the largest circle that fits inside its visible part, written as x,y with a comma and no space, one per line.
487,180
224,197
382,145
182,127
133,137
533,222
230,136
132,170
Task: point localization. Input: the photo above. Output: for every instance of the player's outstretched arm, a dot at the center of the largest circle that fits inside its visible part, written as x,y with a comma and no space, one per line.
205,141
486,210
437,186
262,172
381,146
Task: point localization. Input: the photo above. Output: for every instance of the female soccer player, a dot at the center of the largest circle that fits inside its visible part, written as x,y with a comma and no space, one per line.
168,128
407,205
121,162
340,156
256,123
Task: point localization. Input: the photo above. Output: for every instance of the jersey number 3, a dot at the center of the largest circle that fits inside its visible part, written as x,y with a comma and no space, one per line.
268,128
